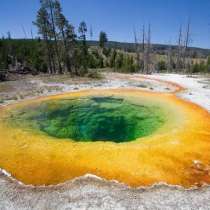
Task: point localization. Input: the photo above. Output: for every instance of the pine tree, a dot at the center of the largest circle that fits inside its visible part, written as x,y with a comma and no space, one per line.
43,25
49,6
91,33
66,32
84,48
113,58
102,39
70,38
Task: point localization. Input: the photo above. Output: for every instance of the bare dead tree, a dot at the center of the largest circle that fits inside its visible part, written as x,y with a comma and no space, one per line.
24,45
186,45
143,38
51,7
32,35
143,47
149,49
169,59
147,66
24,31
137,50
179,50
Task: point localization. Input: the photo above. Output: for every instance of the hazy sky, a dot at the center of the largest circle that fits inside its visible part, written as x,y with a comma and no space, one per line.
118,17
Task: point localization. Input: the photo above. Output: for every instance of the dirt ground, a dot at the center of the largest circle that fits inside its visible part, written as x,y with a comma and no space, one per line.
28,86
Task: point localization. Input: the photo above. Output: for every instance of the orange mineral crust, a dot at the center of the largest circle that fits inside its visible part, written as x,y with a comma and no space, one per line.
177,153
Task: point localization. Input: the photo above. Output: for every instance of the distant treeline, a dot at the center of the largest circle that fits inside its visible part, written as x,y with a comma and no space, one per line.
28,55
60,48
29,52
161,49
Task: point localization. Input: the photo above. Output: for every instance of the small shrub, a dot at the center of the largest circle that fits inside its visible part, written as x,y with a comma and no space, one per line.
93,73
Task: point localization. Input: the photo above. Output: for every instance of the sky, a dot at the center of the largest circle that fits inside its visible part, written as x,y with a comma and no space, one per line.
117,18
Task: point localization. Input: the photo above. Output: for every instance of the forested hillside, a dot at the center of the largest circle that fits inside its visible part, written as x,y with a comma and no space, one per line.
62,48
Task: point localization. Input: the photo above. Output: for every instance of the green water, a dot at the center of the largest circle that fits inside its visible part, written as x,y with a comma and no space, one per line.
92,119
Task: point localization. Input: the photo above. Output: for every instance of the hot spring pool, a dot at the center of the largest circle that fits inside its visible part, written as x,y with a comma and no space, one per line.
135,137
92,119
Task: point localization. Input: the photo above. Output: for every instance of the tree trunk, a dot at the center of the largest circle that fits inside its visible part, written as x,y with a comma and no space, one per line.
55,37
67,58
143,48
148,51
137,48
179,51
186,44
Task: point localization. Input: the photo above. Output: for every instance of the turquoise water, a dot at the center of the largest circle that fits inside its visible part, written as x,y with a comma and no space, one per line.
92,119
